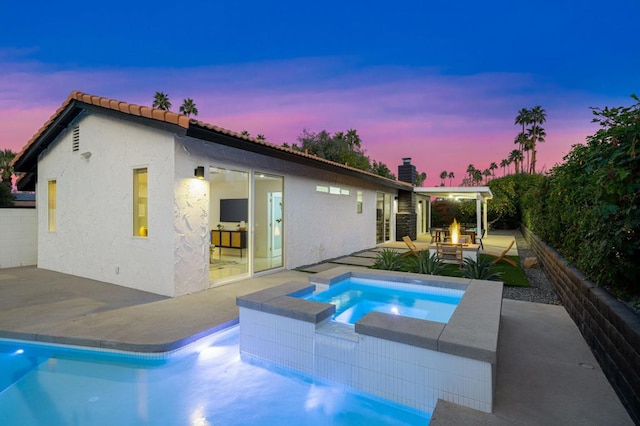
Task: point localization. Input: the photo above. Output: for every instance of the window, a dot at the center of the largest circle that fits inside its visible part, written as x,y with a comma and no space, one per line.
52,203
359,202
140,203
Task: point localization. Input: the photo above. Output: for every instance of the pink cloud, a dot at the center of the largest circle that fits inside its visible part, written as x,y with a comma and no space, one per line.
442,122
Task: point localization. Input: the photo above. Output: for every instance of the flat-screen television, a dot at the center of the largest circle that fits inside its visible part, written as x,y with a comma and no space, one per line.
234,209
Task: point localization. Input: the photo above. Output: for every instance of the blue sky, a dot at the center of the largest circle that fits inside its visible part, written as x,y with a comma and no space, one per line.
441,83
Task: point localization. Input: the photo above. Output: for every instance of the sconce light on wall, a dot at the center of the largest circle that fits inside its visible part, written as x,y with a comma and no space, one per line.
199,172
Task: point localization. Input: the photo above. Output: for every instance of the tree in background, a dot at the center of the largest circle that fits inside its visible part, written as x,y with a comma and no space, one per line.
420,178
344,148
451,176
492,168
161,101
443,176
504,163
516,158
187,108
537,116
6,171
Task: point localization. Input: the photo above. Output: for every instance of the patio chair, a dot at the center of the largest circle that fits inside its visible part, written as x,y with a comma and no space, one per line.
502,255
448,252
412,247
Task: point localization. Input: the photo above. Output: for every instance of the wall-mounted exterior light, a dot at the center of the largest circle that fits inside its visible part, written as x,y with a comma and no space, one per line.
199,172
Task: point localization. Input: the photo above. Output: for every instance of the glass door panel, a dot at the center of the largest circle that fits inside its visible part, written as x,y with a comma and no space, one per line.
269,224
228,258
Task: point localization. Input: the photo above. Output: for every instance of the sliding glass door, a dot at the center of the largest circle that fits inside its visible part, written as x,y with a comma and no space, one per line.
229,216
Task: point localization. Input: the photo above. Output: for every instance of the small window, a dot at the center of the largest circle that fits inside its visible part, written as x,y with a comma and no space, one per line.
52,205
140,203
322,188
359,202
334,190
344,192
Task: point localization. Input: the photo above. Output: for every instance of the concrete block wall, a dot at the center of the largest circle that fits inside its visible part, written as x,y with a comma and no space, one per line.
610,328
18,237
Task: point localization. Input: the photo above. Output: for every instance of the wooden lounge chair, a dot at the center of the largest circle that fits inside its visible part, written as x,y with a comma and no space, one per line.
412,247
448,252
502,255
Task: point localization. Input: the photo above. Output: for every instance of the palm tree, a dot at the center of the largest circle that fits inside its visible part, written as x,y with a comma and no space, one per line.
470,170
188,107
451,176
6,169
523,118
492,167
537,116
161,101
353,139
443,176
486,173
516,157
504,163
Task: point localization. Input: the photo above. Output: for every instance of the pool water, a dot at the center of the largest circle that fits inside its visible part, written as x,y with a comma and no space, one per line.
356,297
206,384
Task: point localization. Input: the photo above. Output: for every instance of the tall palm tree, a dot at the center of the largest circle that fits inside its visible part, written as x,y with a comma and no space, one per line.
188,107
161,101
6,169
486,173
470,171
492,167
443,176
451,176
523,118
538,115
516,157
504,163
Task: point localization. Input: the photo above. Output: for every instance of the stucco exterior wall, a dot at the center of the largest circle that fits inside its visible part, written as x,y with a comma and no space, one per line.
18,237
317,226
95,237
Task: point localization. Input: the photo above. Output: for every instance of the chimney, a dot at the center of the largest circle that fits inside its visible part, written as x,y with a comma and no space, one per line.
407,171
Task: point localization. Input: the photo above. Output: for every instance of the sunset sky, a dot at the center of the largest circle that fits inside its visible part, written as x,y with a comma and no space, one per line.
440,82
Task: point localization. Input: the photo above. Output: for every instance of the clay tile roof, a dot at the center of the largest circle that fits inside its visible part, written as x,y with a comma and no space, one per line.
172,118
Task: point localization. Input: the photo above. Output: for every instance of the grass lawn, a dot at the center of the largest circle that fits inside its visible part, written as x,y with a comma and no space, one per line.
511,275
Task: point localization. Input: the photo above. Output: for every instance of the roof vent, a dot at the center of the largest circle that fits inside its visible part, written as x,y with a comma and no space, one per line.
76,139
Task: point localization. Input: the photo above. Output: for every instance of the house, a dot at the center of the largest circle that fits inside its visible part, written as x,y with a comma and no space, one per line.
160,202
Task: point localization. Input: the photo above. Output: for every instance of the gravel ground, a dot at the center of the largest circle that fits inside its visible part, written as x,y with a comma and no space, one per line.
541,290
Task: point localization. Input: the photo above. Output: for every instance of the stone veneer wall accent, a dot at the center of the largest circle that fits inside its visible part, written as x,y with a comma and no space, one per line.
609,327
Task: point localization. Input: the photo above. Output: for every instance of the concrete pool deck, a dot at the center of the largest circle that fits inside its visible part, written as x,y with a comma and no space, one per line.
546,372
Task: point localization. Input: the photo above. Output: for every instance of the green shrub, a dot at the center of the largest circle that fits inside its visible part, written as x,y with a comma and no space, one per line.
425,263
389,260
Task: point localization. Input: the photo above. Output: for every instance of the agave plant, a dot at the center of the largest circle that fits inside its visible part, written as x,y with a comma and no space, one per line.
425,263
480,269
388,260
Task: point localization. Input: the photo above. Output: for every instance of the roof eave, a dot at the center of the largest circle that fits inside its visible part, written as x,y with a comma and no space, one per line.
221,137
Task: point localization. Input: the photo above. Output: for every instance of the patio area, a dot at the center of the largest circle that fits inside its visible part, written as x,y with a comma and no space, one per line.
546,373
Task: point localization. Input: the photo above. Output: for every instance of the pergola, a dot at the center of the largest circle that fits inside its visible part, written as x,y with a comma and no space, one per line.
479,193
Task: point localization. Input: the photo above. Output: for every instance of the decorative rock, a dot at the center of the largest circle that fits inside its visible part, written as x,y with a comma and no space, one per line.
531,262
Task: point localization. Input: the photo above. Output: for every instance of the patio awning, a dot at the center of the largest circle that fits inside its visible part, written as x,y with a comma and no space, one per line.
479,193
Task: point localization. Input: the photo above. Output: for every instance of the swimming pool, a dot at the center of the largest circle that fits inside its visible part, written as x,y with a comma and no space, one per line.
355,297
203,384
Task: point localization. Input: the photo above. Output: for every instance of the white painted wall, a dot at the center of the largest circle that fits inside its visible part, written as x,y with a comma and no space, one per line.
94,198
95,231
320,226
18,237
